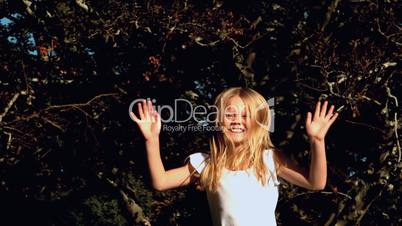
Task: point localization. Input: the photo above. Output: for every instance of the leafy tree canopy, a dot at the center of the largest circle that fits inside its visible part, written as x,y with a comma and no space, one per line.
70,155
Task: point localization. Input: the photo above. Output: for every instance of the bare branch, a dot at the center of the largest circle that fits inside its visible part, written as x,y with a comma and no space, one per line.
75,105
398,145
9,105
135,210
328,15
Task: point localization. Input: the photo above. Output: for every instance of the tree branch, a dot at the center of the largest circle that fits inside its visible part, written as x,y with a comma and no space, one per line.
9,105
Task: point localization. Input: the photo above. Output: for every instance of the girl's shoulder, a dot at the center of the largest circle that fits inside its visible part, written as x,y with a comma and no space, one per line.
268,152
271,164
269,158
198,160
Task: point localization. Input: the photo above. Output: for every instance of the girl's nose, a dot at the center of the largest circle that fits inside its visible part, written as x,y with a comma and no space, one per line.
237,118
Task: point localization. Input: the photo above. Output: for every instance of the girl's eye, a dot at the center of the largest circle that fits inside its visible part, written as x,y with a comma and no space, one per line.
229,115
232,116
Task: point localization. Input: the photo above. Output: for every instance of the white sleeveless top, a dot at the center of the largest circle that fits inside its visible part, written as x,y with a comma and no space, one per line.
241,200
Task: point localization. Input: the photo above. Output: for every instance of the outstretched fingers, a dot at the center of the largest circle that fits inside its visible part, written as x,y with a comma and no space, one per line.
134,117
141,111
317,110
333,118
152,112
145,109
148,116
308,119
156,117
330,112
324,109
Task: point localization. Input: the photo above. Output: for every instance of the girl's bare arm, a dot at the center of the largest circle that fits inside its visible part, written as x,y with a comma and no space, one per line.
161,179
312,179
316,126
150,125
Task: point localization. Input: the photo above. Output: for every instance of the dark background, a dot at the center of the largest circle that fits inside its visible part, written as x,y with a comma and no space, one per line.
70,155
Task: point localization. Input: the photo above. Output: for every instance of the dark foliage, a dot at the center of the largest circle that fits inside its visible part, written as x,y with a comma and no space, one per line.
70,155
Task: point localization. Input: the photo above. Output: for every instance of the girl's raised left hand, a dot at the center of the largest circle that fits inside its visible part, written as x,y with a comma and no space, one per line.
318,125
149,121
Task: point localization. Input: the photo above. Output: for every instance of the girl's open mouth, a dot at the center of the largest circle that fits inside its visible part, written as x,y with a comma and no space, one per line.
237,129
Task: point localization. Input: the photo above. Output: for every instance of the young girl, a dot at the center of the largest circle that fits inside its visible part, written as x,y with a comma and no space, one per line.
240,172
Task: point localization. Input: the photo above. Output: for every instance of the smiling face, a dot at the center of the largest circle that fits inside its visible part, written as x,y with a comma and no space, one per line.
237,122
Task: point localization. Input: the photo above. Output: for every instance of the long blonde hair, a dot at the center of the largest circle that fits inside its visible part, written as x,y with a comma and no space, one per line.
250,152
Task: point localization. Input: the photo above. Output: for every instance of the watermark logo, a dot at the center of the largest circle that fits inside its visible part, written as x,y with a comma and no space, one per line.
271,126
183,111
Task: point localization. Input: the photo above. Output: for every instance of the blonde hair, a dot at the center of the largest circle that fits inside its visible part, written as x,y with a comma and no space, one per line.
250,152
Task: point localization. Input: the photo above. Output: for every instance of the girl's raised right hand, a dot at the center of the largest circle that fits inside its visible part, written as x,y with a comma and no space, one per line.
149,121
